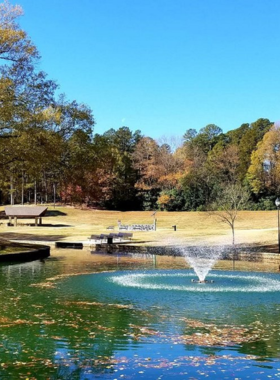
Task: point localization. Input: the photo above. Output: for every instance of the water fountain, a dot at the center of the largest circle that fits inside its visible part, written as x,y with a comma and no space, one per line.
202,259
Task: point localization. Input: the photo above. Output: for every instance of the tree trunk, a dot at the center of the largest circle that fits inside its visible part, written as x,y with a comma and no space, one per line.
54,194
233,236
12,190
35,192
22,189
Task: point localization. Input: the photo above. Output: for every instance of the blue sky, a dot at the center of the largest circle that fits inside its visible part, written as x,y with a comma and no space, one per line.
162,66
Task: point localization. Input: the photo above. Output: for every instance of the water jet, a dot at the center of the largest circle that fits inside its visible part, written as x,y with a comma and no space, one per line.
202,259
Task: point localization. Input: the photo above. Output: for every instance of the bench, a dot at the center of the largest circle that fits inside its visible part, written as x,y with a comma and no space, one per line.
125,235
112,236
94,237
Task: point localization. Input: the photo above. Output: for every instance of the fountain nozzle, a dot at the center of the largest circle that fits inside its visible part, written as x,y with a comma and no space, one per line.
202,281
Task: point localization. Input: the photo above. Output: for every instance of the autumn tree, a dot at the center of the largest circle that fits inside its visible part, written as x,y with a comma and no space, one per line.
163,200
15,45
145,159
171,167
248,143
35,125
224,160
264,171
74,162
17,54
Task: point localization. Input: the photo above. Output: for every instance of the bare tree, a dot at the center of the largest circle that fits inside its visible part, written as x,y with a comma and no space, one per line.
173,141
232,199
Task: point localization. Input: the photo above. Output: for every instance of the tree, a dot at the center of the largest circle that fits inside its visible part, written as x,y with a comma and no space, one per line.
173,142
158,167
69,116
145,161
189,135
163,200
170,167
116,175
225,162
199,180
236,135
264,172
17,55
15,46
34,125
231,200
198,187
249,141
205,140
28,103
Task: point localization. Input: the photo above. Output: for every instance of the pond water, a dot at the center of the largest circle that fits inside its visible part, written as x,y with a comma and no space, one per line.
79,315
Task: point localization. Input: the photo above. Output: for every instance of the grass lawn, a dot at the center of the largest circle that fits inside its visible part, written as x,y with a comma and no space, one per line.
73,224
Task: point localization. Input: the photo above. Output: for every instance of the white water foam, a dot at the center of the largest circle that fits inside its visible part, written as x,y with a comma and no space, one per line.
256,284
202,259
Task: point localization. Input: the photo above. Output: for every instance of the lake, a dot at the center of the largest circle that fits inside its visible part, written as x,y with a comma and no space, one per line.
83,315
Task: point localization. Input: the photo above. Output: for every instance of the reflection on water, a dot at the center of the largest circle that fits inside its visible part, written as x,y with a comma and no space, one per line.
83,316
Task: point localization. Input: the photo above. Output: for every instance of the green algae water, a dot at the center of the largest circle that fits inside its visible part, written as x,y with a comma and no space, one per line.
117,317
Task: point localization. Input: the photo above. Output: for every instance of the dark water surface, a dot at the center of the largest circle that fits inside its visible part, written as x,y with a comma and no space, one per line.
86,316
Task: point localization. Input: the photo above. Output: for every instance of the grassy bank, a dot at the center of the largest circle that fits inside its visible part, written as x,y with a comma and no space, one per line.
7,247
73,224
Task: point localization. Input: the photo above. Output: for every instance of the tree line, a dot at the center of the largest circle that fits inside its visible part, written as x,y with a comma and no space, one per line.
49,151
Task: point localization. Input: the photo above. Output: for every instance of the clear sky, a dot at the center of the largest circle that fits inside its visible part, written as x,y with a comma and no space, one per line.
162,66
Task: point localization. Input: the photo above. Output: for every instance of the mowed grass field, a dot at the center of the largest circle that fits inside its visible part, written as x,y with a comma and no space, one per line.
74,224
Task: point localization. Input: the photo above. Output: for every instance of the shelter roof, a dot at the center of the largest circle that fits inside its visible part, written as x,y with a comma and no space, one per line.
25,211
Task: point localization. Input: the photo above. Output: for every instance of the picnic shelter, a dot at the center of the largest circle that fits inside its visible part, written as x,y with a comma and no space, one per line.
25,212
